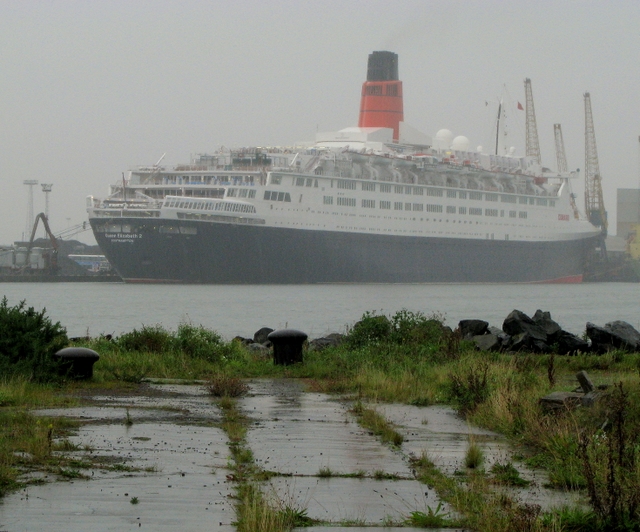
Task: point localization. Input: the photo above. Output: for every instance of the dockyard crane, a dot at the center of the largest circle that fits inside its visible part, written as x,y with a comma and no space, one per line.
593,200
533,144
561,157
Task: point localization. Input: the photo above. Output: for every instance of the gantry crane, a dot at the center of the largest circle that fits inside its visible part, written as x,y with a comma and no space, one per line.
593,200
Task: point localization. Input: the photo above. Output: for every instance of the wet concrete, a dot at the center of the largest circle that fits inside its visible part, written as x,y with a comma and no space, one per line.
445,437
173,459
175,470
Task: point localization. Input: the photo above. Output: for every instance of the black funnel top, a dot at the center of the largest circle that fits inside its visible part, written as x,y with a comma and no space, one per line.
382,66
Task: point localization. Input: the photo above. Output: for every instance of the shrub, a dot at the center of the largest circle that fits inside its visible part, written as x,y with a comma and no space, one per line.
470,389
28,341
370,329
154,339
611,462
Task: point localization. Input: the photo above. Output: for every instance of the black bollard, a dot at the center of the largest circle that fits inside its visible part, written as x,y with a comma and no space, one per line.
77,362
287,346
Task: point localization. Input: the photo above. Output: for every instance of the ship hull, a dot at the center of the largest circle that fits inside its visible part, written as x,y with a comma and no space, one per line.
222,253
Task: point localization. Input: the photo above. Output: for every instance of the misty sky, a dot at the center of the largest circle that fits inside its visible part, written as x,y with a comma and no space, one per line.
89,89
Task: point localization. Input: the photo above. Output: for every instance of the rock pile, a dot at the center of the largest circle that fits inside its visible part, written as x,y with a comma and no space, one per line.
261,344
541,334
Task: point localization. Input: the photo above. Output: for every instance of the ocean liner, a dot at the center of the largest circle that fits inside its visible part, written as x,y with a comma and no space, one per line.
377,203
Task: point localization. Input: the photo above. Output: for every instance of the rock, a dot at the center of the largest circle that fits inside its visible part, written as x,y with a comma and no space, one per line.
339,338
550,327
628,337
590,399
570,344
518,322
614,335
242,340
526,342
471,328
260,336
322,343
259,349
487,342
585,382
561,401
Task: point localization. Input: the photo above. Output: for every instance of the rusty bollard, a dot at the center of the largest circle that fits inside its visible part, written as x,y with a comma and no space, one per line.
287,346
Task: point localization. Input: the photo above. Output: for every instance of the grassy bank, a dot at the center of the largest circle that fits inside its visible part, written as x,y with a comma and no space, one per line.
406,358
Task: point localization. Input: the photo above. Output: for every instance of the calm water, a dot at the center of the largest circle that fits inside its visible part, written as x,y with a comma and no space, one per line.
96,308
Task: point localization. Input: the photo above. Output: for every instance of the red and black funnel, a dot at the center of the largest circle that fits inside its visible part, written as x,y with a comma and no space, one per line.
381,103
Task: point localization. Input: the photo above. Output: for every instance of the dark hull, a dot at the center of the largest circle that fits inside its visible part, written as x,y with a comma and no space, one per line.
246,254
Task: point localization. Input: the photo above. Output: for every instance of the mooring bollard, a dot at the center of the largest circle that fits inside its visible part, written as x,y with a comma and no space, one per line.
77,362
287,346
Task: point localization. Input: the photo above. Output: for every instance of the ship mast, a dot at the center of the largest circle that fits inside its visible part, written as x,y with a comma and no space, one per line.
561,157
533,145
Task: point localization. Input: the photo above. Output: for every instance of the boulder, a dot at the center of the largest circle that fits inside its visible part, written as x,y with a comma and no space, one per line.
518,322
259,349
242,340
550,327
471,328
487,342
260,336
561,401
570,344
614,335
322,343
526,342
625,334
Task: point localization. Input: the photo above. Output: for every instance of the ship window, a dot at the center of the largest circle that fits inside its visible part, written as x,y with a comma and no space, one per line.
328,200
299,181
287,197
475,211
508,199
451,193
231,193
252,194
433,208
418,207
552,203
407,190
475,195
512,214
532,201
310,181
397,206
188,230
385,188
385,204
523,201
491,212
407,206
209,207
462,195
346,185
522,214
369,186
392,90
276,179
347,202
369,203
373,90
418,191
267,194
451,209
242,193
399,189
315,183
114,228
169,229
541,201
462,210
435,192
491,197
281,196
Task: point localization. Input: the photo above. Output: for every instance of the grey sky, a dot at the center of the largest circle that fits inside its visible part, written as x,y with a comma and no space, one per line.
91,89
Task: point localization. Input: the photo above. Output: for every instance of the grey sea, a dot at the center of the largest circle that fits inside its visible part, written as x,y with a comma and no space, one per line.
114,308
